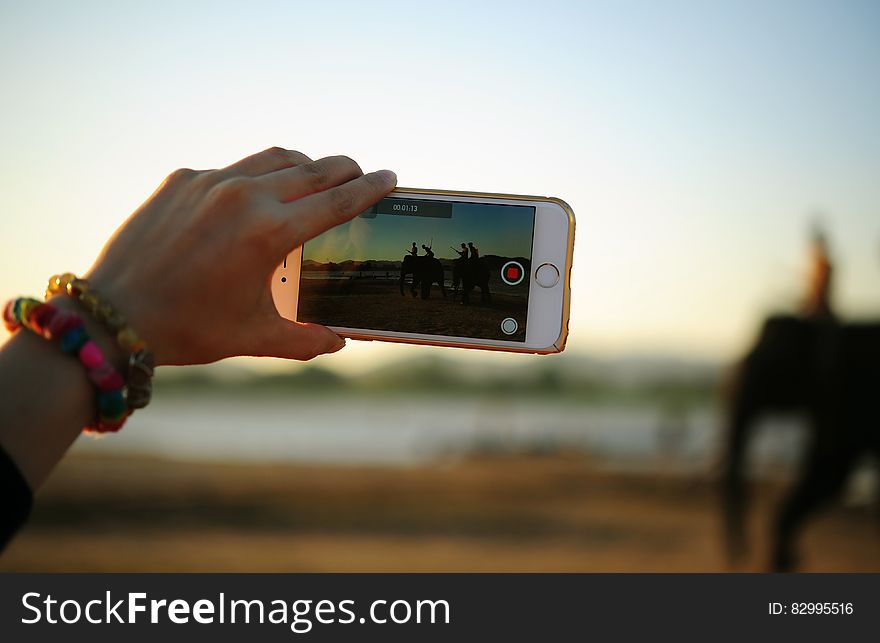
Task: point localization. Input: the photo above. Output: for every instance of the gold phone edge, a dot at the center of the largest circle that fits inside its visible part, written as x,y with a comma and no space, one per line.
559,345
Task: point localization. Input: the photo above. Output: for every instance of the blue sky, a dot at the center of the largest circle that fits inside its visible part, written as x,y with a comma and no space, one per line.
695,140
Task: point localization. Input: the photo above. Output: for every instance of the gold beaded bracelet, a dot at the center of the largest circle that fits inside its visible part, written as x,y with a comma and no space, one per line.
139,385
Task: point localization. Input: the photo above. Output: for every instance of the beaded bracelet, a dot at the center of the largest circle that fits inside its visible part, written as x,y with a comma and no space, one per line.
140,361
66,327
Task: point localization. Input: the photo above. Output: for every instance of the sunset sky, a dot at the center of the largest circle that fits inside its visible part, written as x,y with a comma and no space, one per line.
500,230
696,141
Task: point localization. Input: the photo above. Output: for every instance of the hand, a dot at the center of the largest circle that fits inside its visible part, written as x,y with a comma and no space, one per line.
191,268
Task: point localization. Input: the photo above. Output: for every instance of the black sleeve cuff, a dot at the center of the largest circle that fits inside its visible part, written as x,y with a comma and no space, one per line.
17,499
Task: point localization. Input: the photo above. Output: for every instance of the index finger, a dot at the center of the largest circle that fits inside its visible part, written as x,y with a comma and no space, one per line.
311,215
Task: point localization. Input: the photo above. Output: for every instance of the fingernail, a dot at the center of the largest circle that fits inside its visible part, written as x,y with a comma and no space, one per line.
388,175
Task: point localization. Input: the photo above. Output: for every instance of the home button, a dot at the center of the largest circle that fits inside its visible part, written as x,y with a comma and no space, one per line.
547,275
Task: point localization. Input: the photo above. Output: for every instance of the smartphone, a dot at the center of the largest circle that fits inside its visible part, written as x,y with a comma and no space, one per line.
441,268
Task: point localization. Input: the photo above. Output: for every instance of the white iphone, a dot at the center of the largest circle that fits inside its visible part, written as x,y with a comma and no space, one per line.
442,268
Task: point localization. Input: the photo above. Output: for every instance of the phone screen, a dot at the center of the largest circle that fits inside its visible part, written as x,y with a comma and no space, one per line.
448,268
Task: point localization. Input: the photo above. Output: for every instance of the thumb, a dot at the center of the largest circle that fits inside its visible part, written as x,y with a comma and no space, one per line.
295,340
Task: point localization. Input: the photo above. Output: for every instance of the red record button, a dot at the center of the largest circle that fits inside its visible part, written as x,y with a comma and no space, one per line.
512,273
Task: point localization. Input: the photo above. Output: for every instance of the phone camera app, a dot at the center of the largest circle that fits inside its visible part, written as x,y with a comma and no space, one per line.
446,268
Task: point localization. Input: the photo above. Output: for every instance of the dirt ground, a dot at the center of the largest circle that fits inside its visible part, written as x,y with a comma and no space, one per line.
377,304
506,514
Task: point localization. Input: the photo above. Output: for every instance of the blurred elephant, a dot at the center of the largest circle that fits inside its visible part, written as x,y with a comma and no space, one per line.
831,373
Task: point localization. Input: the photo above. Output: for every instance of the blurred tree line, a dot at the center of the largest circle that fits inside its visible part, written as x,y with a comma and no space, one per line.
574,380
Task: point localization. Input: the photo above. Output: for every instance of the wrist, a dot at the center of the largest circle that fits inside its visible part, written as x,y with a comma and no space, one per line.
138,314
96,331
128,344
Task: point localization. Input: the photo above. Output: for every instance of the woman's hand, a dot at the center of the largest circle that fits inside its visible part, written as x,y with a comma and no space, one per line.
191,268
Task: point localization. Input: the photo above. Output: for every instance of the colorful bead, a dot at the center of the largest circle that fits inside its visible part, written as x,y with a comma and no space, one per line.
63,321
105,310
25,307
111,404
73,339
106,378
105,425
58,283
140,375
9,316
77,287
116,322
40,316
90,355
90,300
129,340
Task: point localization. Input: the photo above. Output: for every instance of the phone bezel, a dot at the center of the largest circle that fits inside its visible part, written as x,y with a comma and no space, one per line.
548,312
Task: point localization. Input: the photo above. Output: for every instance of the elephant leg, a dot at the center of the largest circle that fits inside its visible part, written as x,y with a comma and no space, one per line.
733,482
824,473
402,279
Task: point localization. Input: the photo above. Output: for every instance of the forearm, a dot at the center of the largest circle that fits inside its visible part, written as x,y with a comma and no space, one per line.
46,398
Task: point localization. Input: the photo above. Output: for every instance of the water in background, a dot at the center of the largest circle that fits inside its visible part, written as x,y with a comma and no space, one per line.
406,431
